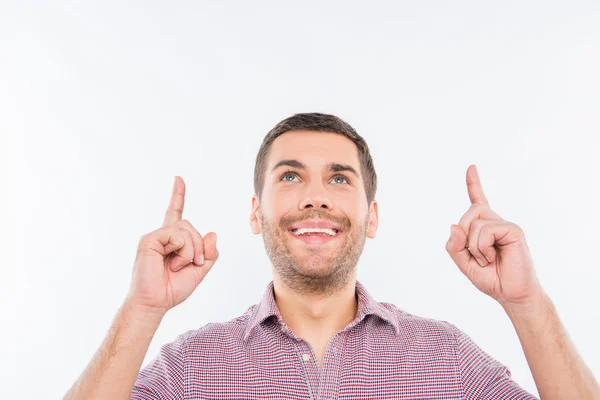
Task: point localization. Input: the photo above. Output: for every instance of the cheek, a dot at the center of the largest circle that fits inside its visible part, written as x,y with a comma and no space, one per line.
350,208
281,203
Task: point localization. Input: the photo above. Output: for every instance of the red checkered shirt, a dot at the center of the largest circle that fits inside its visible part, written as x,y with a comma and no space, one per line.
384,353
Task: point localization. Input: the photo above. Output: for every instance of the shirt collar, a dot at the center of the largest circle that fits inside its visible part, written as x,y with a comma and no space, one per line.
366,305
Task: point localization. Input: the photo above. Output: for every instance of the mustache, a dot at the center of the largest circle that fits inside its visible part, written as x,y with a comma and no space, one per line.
287,221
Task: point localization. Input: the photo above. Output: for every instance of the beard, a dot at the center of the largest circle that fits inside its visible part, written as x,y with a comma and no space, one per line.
318,269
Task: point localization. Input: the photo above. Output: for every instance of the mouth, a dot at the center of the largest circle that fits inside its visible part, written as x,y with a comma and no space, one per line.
315,236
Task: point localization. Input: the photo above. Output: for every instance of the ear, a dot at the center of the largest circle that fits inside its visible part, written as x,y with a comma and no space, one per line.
255,215
373,220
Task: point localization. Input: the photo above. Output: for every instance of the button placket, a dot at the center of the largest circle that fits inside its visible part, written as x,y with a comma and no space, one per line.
330,375
309,365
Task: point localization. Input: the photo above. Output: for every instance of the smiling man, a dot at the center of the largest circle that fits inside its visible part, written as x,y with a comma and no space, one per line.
314,213
317,333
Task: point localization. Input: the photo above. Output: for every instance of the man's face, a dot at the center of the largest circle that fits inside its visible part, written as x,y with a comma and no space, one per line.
302,190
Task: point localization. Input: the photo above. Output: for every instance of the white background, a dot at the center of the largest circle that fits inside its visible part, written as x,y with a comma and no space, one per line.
103,104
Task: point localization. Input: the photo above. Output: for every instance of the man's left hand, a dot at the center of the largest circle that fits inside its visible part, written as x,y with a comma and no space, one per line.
492,252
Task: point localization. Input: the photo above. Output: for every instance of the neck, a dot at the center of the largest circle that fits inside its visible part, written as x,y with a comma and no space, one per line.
309,315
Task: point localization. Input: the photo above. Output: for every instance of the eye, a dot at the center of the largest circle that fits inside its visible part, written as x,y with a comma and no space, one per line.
286,174
341,176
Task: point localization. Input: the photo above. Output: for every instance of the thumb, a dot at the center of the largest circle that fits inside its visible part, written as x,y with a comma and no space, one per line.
188,278
210,247
457,247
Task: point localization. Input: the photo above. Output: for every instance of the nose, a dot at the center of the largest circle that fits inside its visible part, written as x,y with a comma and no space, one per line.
316,197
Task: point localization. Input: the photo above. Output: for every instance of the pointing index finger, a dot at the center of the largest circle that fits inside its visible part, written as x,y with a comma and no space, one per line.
476,194
175,211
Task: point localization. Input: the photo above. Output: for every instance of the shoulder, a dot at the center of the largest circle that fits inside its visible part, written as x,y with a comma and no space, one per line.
422,328
221,333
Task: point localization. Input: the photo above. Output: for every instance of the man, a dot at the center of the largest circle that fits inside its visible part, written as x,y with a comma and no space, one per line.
317,333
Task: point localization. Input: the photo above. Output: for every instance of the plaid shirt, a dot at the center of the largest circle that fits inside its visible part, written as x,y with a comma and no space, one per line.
385,353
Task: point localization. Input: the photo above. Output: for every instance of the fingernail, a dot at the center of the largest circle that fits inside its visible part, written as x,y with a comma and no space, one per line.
201,260
481,262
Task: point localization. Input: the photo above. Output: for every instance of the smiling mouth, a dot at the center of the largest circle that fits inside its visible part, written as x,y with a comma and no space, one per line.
315,232
315,236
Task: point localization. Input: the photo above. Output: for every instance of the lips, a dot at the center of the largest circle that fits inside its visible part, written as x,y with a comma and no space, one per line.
316,224
316,238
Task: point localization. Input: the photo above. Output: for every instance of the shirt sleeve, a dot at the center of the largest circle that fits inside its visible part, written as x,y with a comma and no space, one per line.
164,376
482,376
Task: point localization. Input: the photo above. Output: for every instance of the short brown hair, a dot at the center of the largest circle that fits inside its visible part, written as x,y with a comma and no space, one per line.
320,123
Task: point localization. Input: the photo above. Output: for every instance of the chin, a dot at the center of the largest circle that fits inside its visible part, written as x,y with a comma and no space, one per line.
314,267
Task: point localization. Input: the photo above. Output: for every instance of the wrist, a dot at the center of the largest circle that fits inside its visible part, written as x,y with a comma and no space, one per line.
143,313
536,308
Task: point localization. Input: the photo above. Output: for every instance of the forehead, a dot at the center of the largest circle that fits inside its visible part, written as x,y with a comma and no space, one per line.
314,148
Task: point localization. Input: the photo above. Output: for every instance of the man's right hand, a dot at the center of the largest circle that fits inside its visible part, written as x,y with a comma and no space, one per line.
171,261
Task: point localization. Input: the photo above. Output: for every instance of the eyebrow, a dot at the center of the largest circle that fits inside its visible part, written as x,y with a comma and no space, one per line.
331,167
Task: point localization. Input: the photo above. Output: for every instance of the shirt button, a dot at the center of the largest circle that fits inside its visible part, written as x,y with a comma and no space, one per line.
306,357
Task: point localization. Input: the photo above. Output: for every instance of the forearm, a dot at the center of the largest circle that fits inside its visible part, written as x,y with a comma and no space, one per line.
558,370
113,370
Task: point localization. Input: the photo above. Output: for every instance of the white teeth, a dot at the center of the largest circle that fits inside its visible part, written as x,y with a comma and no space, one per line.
301,231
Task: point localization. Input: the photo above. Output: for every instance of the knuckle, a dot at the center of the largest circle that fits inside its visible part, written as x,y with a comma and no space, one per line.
519,230
484,230
487,227
195,231
145,240
515,226
177,231
187,234
188,225
183,222
480,223
176,235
